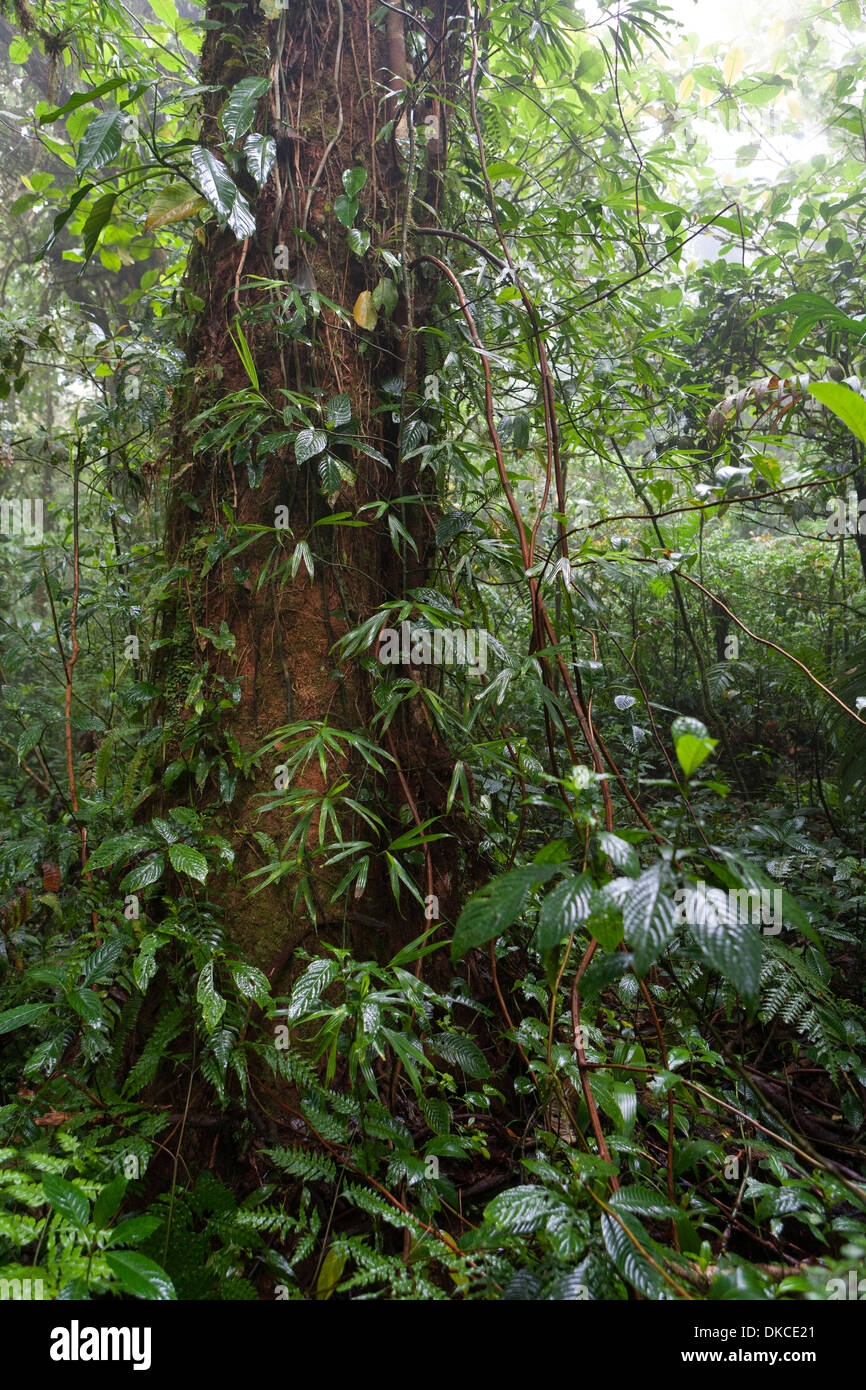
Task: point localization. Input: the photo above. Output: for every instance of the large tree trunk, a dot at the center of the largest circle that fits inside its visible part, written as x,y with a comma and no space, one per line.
330,72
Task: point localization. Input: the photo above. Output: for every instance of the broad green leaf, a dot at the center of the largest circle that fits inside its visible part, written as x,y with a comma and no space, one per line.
144,965
726,938
87,1005
385,295
604,921
847,404
309,986
740,873
812,309
67,1200
239,111
354,180
330,474
760,93
562,911
20,1017
733,65
250,981
309,443
643,1200
522,1210
108,1201
496,906
359,240
165,11
20,49
62,218
97,218
648,917
166,831
691,752
132,1230
783,1201
437,1114
504,169
101,141
621,854
460,1052
140,1275
740,1281
81,99
628,1259
689,1155
212,1004
339,410
623,1105
692,745
260,153
100,962
520,433
188,861
117,849
685,724
144,874
222,192
345,209
29,739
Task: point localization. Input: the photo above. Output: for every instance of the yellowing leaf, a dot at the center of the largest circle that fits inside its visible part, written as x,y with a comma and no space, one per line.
364,312
733,65
686,87
173,203
329,1275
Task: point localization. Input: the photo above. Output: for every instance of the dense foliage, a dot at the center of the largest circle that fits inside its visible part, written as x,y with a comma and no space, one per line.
537,974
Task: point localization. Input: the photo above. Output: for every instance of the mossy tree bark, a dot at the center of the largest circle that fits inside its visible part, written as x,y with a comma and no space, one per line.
289,289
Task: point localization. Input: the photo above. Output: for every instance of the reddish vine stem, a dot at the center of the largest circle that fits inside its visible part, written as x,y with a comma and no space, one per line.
69,662
540,617
591,1106
551,429
541,623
